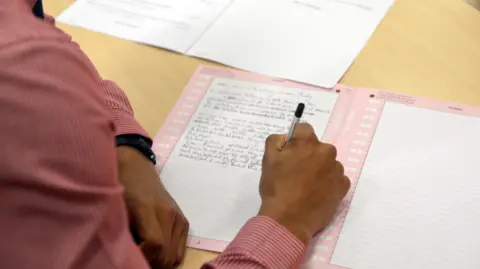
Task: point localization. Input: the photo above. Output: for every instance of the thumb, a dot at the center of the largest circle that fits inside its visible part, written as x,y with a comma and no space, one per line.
274,143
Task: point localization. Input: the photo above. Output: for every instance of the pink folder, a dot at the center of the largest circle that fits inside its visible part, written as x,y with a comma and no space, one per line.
351,128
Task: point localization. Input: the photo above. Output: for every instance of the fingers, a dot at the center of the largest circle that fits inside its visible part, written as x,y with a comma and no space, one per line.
274,143
304,131
339,169
174,226
172,255
156,230
166,217
328,154
182,242
346,185
150,232
176,250
341,179
330,151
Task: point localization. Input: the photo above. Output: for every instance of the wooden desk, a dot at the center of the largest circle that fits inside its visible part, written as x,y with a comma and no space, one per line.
427,47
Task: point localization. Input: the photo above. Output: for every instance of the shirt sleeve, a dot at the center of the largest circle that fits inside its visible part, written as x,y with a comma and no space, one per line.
122,112
61,205
113,96
262,243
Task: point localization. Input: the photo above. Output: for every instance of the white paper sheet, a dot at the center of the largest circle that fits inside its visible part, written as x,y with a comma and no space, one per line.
311,41
171,24
214,170
417,203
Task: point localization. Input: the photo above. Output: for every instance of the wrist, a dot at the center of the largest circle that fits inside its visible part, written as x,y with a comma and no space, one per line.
127,154
131,166
288,221
138,143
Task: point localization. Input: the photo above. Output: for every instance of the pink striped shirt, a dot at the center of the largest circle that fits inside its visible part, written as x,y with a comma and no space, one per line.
61,204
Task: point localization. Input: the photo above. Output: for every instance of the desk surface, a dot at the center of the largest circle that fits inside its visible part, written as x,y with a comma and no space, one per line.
429,48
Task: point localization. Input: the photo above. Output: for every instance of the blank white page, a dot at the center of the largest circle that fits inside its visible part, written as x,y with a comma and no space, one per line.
214,171
171,24
417,202
311,41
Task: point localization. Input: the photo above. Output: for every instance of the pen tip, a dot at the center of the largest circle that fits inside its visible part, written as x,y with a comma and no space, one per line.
300,109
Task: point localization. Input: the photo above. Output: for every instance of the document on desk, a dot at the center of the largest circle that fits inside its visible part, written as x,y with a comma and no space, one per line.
413,163
223,145
170,24
310,41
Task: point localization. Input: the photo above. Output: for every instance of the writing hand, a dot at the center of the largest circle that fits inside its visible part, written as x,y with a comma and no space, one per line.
154,216
301,185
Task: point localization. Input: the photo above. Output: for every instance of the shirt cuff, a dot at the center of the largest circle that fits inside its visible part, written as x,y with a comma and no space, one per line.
266,241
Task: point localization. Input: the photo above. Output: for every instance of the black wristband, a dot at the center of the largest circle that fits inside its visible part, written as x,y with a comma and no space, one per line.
138,142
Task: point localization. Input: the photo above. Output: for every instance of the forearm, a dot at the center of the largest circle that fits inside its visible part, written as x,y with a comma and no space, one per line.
261,244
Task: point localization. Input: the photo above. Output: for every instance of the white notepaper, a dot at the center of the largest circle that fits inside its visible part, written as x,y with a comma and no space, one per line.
171,24
311,41
417,203
214,170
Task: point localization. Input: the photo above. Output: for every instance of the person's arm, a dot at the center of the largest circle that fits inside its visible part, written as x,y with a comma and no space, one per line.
156,221
301,187
60,201
118,103
59,165
113,96
262,243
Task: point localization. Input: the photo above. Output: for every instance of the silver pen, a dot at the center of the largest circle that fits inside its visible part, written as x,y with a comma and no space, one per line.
295,121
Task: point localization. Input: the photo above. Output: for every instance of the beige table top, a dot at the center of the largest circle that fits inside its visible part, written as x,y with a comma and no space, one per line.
428,47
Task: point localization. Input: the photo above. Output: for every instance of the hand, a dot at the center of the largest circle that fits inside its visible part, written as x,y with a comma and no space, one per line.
302,184
153,214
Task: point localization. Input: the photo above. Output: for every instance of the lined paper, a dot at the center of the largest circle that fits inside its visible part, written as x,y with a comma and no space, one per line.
214,170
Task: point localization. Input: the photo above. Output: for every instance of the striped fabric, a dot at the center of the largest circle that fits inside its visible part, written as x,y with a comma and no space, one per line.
261,243
61,205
